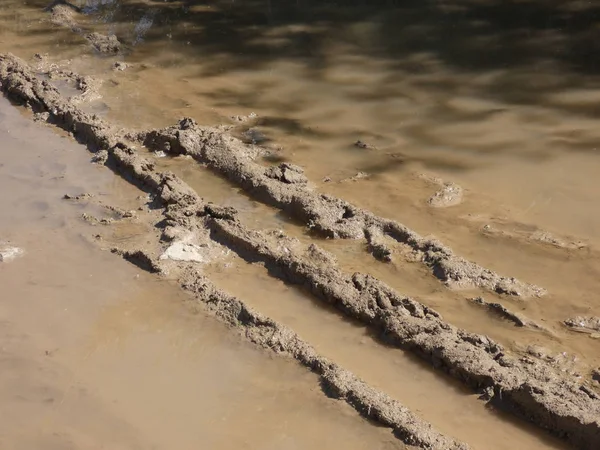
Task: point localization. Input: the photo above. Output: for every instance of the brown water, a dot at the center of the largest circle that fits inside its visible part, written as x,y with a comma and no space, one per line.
441,401
503,104
96,354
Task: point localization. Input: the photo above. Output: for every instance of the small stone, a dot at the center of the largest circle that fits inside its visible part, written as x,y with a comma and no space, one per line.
8,253
120,66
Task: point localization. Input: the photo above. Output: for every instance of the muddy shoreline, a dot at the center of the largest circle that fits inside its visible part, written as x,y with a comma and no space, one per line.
532,389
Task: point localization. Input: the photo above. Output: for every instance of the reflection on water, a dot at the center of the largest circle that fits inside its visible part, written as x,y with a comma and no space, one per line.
473,90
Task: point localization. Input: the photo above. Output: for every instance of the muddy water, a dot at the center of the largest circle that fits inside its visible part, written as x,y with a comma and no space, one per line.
437,399
97,354
442,90
410,81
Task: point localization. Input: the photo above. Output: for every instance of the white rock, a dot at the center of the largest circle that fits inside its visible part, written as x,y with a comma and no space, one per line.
182,251
7,253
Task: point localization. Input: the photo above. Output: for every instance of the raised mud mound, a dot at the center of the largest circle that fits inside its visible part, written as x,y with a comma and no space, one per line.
329,216
532,389
66,14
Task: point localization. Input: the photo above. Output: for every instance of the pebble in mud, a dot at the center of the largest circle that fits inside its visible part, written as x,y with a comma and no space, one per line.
103,43
120,66
364,145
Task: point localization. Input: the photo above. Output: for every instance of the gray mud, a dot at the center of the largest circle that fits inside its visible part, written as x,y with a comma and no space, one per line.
326,215
533,390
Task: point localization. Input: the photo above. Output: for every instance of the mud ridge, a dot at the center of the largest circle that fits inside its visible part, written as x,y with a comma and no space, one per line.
21,85
326,215
502,311
532,390
65,14
589,325
336,381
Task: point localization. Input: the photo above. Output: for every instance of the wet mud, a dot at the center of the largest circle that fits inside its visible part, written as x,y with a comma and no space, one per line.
66,15
531,389
323,214
502,311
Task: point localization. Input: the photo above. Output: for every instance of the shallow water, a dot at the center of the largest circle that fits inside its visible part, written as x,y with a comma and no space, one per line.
95,353
503,104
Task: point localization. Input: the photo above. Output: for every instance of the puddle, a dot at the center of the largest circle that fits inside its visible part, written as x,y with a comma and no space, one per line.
96,353
503,104
433,397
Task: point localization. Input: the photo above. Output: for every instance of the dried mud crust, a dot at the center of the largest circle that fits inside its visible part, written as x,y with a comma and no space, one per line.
329,216
531,389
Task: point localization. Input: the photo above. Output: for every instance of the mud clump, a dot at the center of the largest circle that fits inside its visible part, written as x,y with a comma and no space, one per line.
449,195
533,390
9,252
376,244
104,44
64,14
120,66
287,173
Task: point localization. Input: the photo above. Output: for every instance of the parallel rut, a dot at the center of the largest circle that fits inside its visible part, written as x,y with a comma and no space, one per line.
531,389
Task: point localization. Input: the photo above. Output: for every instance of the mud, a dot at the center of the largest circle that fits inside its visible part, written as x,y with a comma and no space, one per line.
258,329
96,353
323,214
510,229
66,15
449,195
590,324
502,311
104,44
530,389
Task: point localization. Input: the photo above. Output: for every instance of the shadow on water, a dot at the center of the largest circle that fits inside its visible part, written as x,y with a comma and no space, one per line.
469,35
506,54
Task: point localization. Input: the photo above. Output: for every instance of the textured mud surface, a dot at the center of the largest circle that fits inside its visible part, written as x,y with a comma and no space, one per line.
588,324
326,215
502,311
530,388
66,14
449,195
